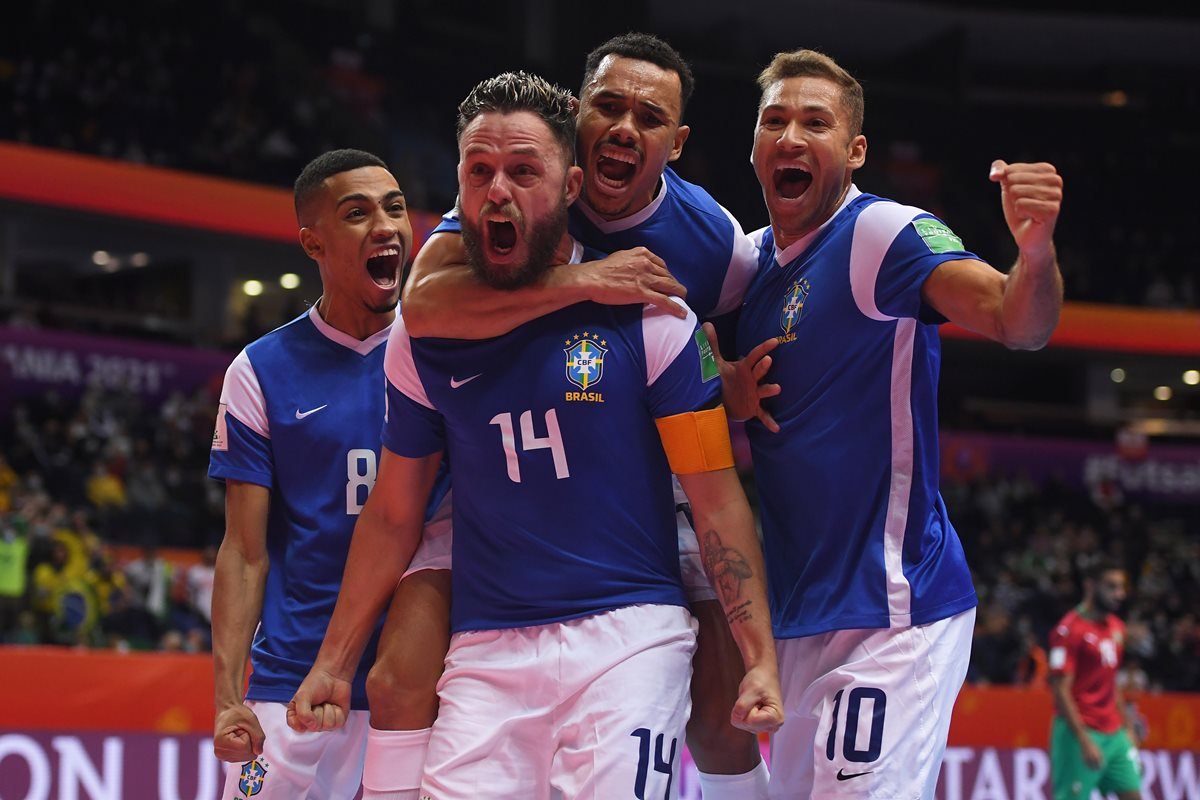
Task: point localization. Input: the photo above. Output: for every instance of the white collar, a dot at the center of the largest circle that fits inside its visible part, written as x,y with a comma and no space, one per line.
362,347
631,221
793,250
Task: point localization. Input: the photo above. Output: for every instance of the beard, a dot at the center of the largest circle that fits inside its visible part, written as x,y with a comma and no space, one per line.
541,240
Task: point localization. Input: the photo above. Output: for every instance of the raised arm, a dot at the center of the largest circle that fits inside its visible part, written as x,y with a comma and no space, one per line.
385,538
444,298
1019,309
238,583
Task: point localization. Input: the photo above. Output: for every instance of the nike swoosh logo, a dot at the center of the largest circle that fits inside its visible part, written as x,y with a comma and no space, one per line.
455,383
845,776
302,414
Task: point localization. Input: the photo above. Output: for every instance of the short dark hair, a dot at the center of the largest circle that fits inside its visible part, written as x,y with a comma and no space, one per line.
1095,570
327,165
814,64
510,92
643,47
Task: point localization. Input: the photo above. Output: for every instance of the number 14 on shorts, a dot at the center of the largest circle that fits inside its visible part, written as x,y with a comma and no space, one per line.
663,762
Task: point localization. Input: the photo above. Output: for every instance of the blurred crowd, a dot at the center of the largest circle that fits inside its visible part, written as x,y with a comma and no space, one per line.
90,490
1027,546
244,91
94,490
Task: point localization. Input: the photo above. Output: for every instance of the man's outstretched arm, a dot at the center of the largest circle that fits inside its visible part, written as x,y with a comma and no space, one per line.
444,298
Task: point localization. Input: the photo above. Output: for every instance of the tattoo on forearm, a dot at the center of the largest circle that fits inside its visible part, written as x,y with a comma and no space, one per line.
726,568
739,613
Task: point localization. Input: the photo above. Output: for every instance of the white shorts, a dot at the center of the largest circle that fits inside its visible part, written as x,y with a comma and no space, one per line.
300,766
436,541
590,708
867,711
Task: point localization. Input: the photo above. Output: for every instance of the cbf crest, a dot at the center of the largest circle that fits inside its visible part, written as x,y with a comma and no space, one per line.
254,773
793,306
586,353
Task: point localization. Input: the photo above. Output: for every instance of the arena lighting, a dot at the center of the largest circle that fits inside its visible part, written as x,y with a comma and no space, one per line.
139,259
1117,375
1162,393
252,288
100,258
1115,99
1191,377
289,280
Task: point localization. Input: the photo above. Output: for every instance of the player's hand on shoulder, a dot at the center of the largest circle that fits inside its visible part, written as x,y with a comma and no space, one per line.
634,276
237,734
320,704
1031,195
759,707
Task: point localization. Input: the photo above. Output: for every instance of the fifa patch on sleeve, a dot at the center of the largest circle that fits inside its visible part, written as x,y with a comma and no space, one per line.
938,238
708,363
1058,657
220,435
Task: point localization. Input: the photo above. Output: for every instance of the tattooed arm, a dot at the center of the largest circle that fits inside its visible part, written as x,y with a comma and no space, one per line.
734,563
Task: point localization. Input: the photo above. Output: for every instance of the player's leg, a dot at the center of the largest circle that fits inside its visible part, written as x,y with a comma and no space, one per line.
1122,773
626,703
402,685
300,766
876,715
495,728
1070,776
728,759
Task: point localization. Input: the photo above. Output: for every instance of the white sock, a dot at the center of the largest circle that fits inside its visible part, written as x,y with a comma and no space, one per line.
394,762
750,785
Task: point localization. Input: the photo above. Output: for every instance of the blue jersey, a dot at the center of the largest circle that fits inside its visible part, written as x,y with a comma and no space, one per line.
855,532
562,492
702,244
301,411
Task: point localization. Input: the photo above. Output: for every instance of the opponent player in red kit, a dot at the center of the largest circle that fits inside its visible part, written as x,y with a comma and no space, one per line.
1092,745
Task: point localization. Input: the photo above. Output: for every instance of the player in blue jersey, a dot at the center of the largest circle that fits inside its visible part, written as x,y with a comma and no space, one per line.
871,597
297,445
568,668
629,128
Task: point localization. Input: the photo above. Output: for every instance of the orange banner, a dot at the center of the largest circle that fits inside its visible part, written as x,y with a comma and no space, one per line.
155,194
1094,326
78,690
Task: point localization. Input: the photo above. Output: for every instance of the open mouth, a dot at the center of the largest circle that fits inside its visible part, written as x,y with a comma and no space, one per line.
501,236
615,168
384,266
791,182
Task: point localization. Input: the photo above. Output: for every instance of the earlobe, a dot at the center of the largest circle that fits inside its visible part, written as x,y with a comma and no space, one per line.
858,152
681,136
310,242
573,185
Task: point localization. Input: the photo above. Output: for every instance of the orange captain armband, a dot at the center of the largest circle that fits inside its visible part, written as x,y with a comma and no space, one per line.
697,441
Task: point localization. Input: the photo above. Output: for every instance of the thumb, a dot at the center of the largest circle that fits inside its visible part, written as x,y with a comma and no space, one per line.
257,737
711,334
997,172
301,713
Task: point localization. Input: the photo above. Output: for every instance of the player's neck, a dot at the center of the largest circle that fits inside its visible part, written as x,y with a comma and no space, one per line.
359,322
1088,610
565,252
631,210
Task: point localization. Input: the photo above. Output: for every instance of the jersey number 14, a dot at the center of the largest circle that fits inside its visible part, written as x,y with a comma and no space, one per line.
552,441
